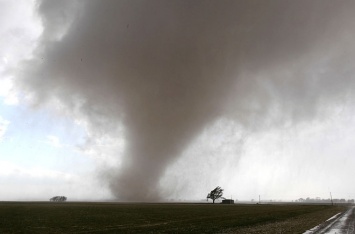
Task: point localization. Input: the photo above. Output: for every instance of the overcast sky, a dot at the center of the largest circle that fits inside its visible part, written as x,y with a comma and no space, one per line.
151,100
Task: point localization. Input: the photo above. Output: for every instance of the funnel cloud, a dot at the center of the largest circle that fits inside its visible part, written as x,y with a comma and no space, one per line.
166,70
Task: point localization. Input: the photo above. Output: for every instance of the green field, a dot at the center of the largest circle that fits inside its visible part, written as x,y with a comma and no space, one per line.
45,217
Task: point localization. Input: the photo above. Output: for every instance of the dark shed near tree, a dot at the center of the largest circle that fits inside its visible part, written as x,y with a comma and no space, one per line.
227,201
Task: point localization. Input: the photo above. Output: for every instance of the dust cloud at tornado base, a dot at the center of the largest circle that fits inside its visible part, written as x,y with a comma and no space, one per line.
164,71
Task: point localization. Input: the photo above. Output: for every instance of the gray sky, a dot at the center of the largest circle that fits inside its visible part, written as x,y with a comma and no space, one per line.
172,98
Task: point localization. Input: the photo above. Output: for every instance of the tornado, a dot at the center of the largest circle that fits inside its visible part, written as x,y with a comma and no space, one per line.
166,70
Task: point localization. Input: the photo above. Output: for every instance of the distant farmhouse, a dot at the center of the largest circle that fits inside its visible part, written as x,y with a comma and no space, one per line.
227,201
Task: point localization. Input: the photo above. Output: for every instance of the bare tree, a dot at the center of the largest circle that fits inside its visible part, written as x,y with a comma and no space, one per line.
215,194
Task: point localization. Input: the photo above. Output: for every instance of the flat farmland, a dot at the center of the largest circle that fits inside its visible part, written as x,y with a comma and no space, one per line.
72,217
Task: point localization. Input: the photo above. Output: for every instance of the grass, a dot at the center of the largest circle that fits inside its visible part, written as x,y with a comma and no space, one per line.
36,217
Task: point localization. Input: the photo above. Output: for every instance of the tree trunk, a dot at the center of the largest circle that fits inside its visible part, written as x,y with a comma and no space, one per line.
213,201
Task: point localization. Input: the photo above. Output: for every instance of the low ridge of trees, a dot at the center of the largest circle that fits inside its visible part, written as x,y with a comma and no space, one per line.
215,194
328,200
58,199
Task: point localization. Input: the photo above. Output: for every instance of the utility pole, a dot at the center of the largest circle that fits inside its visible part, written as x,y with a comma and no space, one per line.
331,198
259,199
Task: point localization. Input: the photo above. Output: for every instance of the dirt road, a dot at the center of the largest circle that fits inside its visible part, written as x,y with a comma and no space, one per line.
342,223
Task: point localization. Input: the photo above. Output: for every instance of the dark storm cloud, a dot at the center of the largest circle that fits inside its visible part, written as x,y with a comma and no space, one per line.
167,69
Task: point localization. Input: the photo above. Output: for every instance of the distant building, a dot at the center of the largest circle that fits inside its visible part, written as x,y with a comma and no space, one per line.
227,201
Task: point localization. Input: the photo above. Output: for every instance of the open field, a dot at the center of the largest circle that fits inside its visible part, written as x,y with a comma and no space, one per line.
45,217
